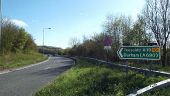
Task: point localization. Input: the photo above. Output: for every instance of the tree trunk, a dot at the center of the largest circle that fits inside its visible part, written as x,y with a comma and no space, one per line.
164,56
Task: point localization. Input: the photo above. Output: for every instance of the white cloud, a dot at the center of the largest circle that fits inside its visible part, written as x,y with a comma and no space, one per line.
19,22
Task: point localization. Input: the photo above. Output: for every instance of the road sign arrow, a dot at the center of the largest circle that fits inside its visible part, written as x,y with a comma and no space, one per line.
120,53
139,52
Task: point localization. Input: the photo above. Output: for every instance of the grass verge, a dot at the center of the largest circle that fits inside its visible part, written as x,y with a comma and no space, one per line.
90,79
12,60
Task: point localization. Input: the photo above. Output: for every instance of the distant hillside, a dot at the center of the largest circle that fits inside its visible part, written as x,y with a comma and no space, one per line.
51,50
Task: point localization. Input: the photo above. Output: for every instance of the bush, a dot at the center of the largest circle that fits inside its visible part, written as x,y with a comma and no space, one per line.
15,39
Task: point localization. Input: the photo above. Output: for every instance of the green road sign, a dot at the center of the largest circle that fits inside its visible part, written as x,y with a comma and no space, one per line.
139,52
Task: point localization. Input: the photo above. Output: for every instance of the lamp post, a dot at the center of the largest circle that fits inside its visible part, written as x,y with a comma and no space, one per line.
43,38
0,25
169,24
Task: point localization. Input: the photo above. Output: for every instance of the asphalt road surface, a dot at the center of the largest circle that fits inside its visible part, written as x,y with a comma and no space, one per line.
27,81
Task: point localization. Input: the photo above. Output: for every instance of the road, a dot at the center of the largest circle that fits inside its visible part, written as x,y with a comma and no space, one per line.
27,81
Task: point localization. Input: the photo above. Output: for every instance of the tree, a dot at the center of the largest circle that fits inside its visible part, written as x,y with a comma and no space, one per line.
112,28
15,38
30,44
127,35
74,42
9,33
157,16
140,36
20,41
97,45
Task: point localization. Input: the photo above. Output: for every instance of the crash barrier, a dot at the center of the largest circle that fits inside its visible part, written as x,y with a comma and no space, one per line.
72,58
140,70
151,87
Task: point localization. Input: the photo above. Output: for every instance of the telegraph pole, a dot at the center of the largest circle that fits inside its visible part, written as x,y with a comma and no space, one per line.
0,25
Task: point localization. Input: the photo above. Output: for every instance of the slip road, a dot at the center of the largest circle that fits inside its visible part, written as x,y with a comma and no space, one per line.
26,82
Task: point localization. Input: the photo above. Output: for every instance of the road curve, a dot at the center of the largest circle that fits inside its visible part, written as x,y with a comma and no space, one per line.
27,81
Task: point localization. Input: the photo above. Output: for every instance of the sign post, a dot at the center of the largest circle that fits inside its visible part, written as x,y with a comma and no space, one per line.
107,45
152,62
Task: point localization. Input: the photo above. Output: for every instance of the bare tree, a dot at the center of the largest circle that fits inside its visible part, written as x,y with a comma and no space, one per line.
74,42
157,16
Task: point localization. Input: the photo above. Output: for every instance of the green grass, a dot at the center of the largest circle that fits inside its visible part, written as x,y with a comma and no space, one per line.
13,60
90,79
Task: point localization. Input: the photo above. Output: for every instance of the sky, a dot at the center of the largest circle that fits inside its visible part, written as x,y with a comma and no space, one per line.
66,18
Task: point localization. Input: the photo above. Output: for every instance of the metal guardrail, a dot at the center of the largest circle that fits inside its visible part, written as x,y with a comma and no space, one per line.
151,87
72,58
140,70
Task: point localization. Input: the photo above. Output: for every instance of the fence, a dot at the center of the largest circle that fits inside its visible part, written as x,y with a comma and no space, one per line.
140,70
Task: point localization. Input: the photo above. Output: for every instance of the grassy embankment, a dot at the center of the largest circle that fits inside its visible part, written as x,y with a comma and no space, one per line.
90,79
13,60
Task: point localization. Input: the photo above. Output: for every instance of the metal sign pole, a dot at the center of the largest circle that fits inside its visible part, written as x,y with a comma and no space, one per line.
126,62
107,55
150,68
152,62
126,67
107,46
0,26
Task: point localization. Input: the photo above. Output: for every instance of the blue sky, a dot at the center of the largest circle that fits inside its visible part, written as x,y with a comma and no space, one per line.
67,18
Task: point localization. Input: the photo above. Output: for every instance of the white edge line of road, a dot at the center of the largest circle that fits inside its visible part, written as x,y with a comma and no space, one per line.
20,68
